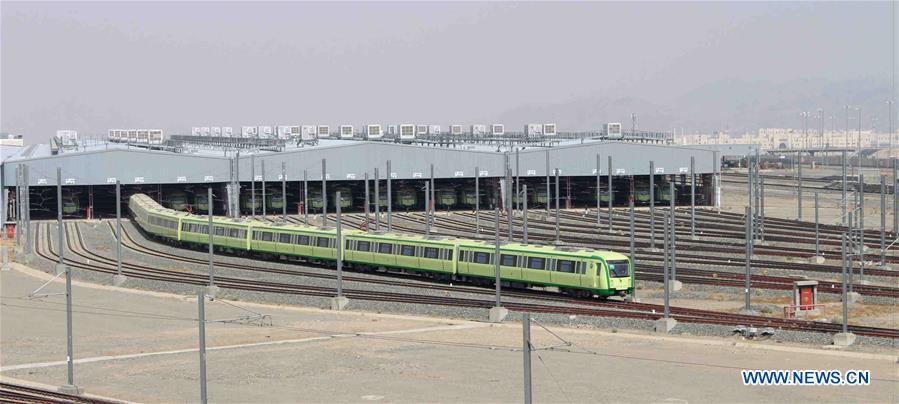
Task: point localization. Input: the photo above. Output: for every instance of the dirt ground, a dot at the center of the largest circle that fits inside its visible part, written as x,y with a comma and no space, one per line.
141,346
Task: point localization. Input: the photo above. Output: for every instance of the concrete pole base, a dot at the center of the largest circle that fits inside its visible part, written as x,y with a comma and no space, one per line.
497,314
853,297
633,299
212,291
886,267
817,259
843,339
118,280
339,303
748,312
4,259
71,390
675,285
664,325
59,269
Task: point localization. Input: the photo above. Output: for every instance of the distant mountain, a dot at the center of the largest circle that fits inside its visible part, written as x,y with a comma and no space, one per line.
734,105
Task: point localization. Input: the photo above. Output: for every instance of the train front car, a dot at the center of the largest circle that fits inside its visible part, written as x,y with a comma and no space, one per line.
616,276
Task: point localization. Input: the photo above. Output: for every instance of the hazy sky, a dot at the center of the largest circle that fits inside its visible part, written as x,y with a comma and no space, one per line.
95,66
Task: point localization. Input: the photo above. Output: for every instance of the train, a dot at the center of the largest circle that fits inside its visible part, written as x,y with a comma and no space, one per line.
71,204
577,272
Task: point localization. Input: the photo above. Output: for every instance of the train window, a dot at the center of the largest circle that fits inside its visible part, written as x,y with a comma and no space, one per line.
219,231
580,268
284,238
385,248
565,266
463,256
267,236
322,241
348,245
363,246
303,240
407,250
234,233
482,258
618,268
431,252
536,263
449,255
507,260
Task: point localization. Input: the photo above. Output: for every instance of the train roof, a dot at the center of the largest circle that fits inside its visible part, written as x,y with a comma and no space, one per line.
573,251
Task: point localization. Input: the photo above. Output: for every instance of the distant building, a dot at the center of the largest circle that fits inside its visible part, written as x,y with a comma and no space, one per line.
788,138
9,139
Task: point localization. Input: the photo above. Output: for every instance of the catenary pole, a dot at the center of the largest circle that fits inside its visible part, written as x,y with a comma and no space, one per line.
524,232
548,200
389,198
598,191
692,197
211,266
253,185
557,205
339,243
477,200
264,207
284,191
201,323
609,174
377,200
118,227
748,276
652,206
70,357
325,193
526,349
305,197
367,201
496,258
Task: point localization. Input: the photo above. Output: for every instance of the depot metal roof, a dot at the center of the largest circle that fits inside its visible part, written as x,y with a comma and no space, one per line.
349,160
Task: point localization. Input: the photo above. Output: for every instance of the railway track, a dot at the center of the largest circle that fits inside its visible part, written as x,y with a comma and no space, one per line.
576,307
16,393
653,272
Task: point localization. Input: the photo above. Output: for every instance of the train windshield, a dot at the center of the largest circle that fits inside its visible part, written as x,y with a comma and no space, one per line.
618,268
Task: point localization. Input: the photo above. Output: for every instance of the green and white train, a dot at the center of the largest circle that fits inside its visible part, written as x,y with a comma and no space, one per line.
576,272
